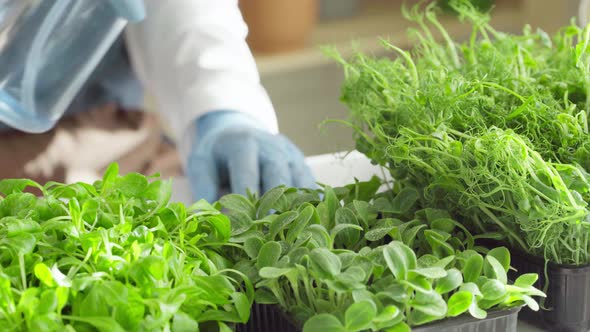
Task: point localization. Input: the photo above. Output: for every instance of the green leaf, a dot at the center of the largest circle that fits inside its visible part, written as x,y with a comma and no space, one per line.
297,254
327,208
430,272
387,314
280,223
43,273
324,215
450,282
222,327
102,324
502,255
203,206
219,315
339,287
443,262
323,323
431,214
242,304
347,237
417,317
159,192
22,243
148,268
365,191
131,185
418,283
62,294
346,257
268,200
14,226
10,186
47,302
241,238
526,280
439,247
66,191
306,197
265,296
493,289
430,303
459,303
427,260
110,175
343,228
444,224
362,295
476,311
240,223
362,211
471,288
270,272
379,232
410,234
319,236
252,246
399,327
269,254
43,322
530,290
494,269
404,201
182,322
359,315
332,200
530,302
473,268
399,258
363,263
325,262
28,301
300,223
238,203
18,206
285,202
220,226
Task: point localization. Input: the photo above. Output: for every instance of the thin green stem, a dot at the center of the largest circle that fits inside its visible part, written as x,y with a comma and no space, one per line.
23,275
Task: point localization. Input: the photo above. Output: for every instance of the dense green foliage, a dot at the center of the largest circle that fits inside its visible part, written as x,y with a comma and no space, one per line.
114,256
494,129
118,256
348,259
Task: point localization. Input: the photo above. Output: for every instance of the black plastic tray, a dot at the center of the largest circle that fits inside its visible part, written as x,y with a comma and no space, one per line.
568,294
497,321
270,318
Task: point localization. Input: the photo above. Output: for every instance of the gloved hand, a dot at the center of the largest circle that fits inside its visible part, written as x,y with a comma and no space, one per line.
231,148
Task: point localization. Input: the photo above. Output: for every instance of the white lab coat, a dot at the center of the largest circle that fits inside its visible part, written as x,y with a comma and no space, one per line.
192,56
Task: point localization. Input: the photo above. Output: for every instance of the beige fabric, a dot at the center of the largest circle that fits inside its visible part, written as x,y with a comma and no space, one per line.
83,145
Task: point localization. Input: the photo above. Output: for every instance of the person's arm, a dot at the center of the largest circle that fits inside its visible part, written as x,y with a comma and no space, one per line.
193,57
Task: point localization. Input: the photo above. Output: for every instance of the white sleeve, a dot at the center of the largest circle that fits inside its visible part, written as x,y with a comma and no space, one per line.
192,56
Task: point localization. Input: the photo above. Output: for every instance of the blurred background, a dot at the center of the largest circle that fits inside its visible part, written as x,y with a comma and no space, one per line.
304,85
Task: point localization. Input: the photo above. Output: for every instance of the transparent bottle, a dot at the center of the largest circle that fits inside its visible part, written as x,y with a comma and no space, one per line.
48,48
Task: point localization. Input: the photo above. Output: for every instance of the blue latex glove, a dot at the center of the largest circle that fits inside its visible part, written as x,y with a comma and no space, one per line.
231,148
